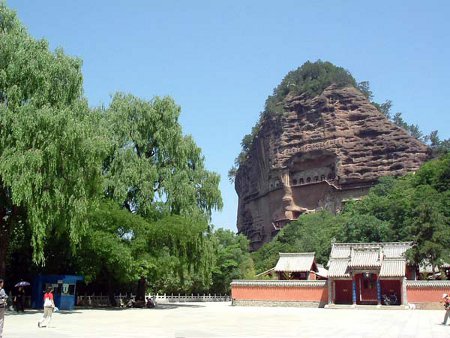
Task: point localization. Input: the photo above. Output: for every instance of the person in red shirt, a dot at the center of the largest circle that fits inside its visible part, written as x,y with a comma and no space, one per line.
49,305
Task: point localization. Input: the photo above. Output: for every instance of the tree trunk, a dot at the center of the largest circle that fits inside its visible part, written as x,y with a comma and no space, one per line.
112,300
5,227
9,215
5,234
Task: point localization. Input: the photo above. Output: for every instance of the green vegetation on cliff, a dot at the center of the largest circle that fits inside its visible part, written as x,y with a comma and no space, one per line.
309,80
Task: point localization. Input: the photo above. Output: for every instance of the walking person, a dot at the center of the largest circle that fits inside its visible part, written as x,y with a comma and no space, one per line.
49,306
3,298
446,301
19,299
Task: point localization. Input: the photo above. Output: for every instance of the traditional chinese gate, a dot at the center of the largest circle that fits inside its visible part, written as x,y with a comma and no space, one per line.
366,288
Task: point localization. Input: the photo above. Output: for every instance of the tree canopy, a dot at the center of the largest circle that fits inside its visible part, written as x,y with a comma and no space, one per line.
309,80
233,261
152,168
47,133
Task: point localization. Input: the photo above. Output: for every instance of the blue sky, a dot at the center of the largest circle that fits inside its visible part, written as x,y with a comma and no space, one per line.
220,60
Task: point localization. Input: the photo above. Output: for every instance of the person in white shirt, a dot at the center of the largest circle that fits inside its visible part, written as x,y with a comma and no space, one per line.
3,298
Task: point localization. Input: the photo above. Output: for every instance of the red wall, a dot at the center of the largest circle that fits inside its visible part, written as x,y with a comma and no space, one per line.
426,294
276,293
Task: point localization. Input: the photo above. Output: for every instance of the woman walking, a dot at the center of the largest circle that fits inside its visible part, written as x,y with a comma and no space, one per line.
3,298
49,305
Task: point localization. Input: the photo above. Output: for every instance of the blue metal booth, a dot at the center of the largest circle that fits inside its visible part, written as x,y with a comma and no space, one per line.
64,290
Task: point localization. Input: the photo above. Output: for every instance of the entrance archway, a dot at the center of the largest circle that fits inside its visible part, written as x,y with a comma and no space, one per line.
366,288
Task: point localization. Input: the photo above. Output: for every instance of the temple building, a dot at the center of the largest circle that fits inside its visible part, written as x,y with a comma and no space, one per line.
300,266
360,274
365,273
296,266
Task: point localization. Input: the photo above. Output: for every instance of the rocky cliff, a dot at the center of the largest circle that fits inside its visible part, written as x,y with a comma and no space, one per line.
319,153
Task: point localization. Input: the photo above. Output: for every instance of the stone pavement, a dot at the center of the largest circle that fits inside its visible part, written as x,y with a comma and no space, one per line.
223,320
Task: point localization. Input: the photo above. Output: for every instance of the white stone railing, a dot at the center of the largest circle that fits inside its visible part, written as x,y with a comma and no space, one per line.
102,300
190,298
280,283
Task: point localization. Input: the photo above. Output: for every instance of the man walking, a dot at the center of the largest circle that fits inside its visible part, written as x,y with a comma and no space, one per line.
3,298
446,301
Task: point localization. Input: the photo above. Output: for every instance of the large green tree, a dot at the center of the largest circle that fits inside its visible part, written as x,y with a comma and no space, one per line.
310,233
50,152
233,261
175,253
153,169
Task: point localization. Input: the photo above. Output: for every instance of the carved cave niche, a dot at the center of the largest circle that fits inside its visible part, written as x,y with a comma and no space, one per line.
312,167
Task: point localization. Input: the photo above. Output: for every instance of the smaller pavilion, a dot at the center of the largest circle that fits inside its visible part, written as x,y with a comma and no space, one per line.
298,266
360,273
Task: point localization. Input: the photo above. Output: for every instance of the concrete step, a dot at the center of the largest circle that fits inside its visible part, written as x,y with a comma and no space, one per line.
367,307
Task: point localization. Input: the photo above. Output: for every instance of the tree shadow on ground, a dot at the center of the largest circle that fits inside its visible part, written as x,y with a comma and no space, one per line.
168,306
35,311
164,306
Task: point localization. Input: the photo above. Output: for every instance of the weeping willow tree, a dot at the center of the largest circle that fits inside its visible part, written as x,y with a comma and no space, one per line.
174,253
155,172
50,152
153,169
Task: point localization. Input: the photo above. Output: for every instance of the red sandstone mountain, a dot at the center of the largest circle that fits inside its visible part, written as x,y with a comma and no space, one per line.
318,154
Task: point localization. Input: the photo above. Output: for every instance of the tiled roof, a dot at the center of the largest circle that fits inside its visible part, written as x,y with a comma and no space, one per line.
338,268
365,258
395,250
340,251
428,284
389,257
393,268
295,262
322,271
280,283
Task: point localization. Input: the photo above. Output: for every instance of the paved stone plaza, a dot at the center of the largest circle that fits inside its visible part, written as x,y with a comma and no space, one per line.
224,320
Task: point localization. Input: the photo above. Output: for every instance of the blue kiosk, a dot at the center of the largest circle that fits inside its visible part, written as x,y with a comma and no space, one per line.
64,290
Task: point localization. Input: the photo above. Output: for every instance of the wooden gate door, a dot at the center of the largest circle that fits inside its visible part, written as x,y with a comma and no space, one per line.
367,285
